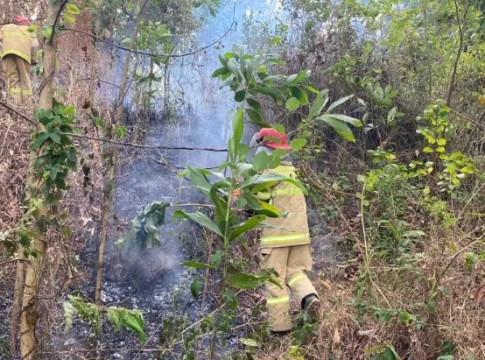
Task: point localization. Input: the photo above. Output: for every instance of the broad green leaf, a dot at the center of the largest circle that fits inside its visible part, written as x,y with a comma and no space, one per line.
338,102
254,104
250,342
133,320
302,76
391,115
340,127
300,94
69,313
318,104
261,161
198,178
441,142
39,140
276,94
298,144
271,178
201,219
238,126
240,95
345,118
72,9
292,104
244,227
311,89
55,137
114,318
217,257
196,287
244,281
220,71
268,209
197,265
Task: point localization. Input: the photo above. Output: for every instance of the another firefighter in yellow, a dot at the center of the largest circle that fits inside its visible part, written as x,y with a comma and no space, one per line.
18,43
285,247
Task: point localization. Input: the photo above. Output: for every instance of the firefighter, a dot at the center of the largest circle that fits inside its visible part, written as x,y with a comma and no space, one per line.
18,44
285,246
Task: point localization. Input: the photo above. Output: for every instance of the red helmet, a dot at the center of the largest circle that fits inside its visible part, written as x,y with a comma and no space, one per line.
276,140
21,20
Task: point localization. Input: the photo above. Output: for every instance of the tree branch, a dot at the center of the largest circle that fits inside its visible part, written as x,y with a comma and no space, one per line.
152,54
141,146
63,5
461,28
15,111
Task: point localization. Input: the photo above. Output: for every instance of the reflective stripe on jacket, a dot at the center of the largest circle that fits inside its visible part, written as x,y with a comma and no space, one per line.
18,40
292,229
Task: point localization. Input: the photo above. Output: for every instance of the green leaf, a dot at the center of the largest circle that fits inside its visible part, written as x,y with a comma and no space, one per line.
391,115
311,89
196,287
220,71
39,140
216,258
345,118
302,76
240,95
292,104
244,281
133,320
55,137
268,209
338,102
69,313
254,104
298,144
72,9
299,94
244,227
47,32
121,132
114,317
276,94
200,219
319,103
250,342
275,40
340,127
197,265
428,150
261,161
238,126
271,178
198,178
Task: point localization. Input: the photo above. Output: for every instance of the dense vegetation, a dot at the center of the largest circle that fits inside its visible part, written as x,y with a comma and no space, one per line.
385,104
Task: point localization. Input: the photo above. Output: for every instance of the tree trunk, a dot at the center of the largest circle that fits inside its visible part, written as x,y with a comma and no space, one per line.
108,189
29,314
17,302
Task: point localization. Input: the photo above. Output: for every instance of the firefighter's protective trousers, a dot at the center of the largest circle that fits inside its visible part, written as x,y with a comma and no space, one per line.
285,247
289,262
18,43
18,77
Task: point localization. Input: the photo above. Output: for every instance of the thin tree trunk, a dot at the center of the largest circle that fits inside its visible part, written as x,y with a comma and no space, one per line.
29,314
462,28
108,189
17,302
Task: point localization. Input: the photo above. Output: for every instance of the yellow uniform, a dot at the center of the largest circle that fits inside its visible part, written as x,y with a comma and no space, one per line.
286,248
17,44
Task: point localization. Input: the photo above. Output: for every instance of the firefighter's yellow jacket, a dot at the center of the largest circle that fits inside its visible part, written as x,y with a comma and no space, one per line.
18,40
290,230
